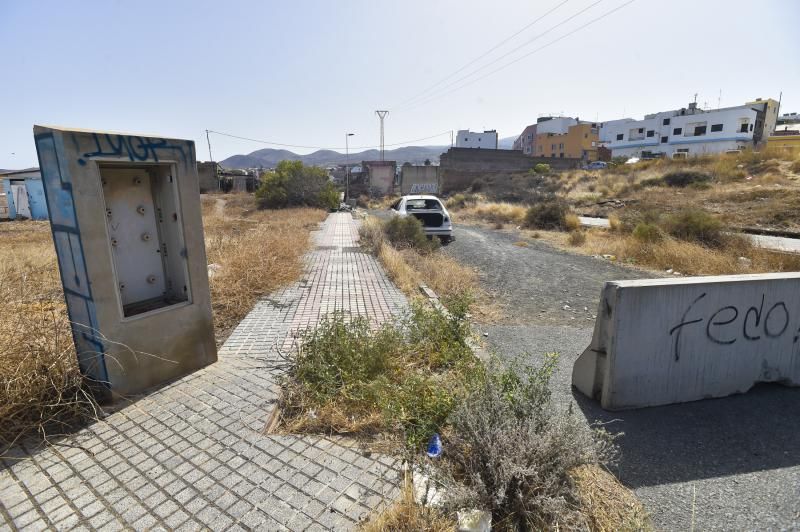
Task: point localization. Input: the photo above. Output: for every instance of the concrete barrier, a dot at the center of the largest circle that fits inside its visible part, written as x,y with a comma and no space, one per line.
663,341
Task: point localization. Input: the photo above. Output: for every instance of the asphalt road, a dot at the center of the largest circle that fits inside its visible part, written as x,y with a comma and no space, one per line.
721,464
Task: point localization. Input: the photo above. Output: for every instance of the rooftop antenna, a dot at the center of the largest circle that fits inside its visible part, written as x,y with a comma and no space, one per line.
381,115
719,100
695,98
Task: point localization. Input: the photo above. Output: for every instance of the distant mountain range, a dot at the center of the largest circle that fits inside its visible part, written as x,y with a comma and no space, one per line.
269,157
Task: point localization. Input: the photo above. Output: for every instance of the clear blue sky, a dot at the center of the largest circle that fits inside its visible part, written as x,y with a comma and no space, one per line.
306,72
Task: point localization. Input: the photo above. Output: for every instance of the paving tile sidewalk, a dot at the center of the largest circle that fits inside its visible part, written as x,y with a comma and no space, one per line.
192,455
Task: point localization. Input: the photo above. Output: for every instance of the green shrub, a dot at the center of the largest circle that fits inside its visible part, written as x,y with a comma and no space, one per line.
294,184
405,232
329,197
547,215
695,225
648,232
685,178
477,185
542,168
404,377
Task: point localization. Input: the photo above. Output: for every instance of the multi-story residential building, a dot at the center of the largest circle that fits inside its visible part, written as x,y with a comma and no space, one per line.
526,141
691,131
579,141
468,139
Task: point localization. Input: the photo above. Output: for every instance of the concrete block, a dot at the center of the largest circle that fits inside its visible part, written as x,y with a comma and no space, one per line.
128,232
663,341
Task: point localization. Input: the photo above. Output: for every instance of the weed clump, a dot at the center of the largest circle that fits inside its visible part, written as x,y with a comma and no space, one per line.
547,215
685,178
402,378
695,225
510,451
406,232
648,232
577,238
542,168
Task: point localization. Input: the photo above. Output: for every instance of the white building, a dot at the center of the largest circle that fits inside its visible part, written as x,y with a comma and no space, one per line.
691,131
468,139
555,125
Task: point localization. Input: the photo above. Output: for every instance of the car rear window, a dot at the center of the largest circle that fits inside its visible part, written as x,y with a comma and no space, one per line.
420,204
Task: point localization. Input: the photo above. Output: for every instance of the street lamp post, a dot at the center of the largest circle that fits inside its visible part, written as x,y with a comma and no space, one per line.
347,165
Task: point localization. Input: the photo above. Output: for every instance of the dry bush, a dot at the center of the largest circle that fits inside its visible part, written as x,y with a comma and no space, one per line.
608,505
405,515
688,257
257,251
41,389
576,238
572,222
509,450
494,212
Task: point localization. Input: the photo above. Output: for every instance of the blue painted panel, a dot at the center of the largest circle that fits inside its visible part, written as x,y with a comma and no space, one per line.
12,210
36,199
71,262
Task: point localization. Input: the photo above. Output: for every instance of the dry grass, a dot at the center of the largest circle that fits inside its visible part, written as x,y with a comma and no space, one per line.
749,189
687,258
41,389
608,505
405,515
409,268
493,212
256,253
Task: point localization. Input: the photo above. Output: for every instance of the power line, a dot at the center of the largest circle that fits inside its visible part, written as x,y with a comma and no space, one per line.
492,49
520,58
448,132
523,45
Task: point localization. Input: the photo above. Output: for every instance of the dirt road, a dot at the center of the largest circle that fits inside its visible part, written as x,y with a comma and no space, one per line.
730,463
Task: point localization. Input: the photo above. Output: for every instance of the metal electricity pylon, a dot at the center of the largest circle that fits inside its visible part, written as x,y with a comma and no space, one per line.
381,115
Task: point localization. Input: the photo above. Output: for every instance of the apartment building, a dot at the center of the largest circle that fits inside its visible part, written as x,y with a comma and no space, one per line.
575,141
691,131
485,140
526,142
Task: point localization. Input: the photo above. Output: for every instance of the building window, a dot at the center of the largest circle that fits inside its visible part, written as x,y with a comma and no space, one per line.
594,144
664,140
560,145
552,146
699,130
586,135
683,150
650,133
751,127
677,131
619,136
666,121
561,154
716,127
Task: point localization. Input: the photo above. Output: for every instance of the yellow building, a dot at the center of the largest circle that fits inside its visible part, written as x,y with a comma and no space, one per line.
785,137
579,142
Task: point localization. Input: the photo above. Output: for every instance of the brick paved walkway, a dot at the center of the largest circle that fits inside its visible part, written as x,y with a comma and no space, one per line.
193,455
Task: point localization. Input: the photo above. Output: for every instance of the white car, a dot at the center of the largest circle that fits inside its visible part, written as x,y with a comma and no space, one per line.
430,211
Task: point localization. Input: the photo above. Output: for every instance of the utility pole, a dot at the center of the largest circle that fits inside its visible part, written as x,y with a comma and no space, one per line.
347,165
208,139
451,138
381,115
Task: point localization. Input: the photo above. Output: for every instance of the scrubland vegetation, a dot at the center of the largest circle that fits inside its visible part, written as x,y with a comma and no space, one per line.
41,389
665,214
254,252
